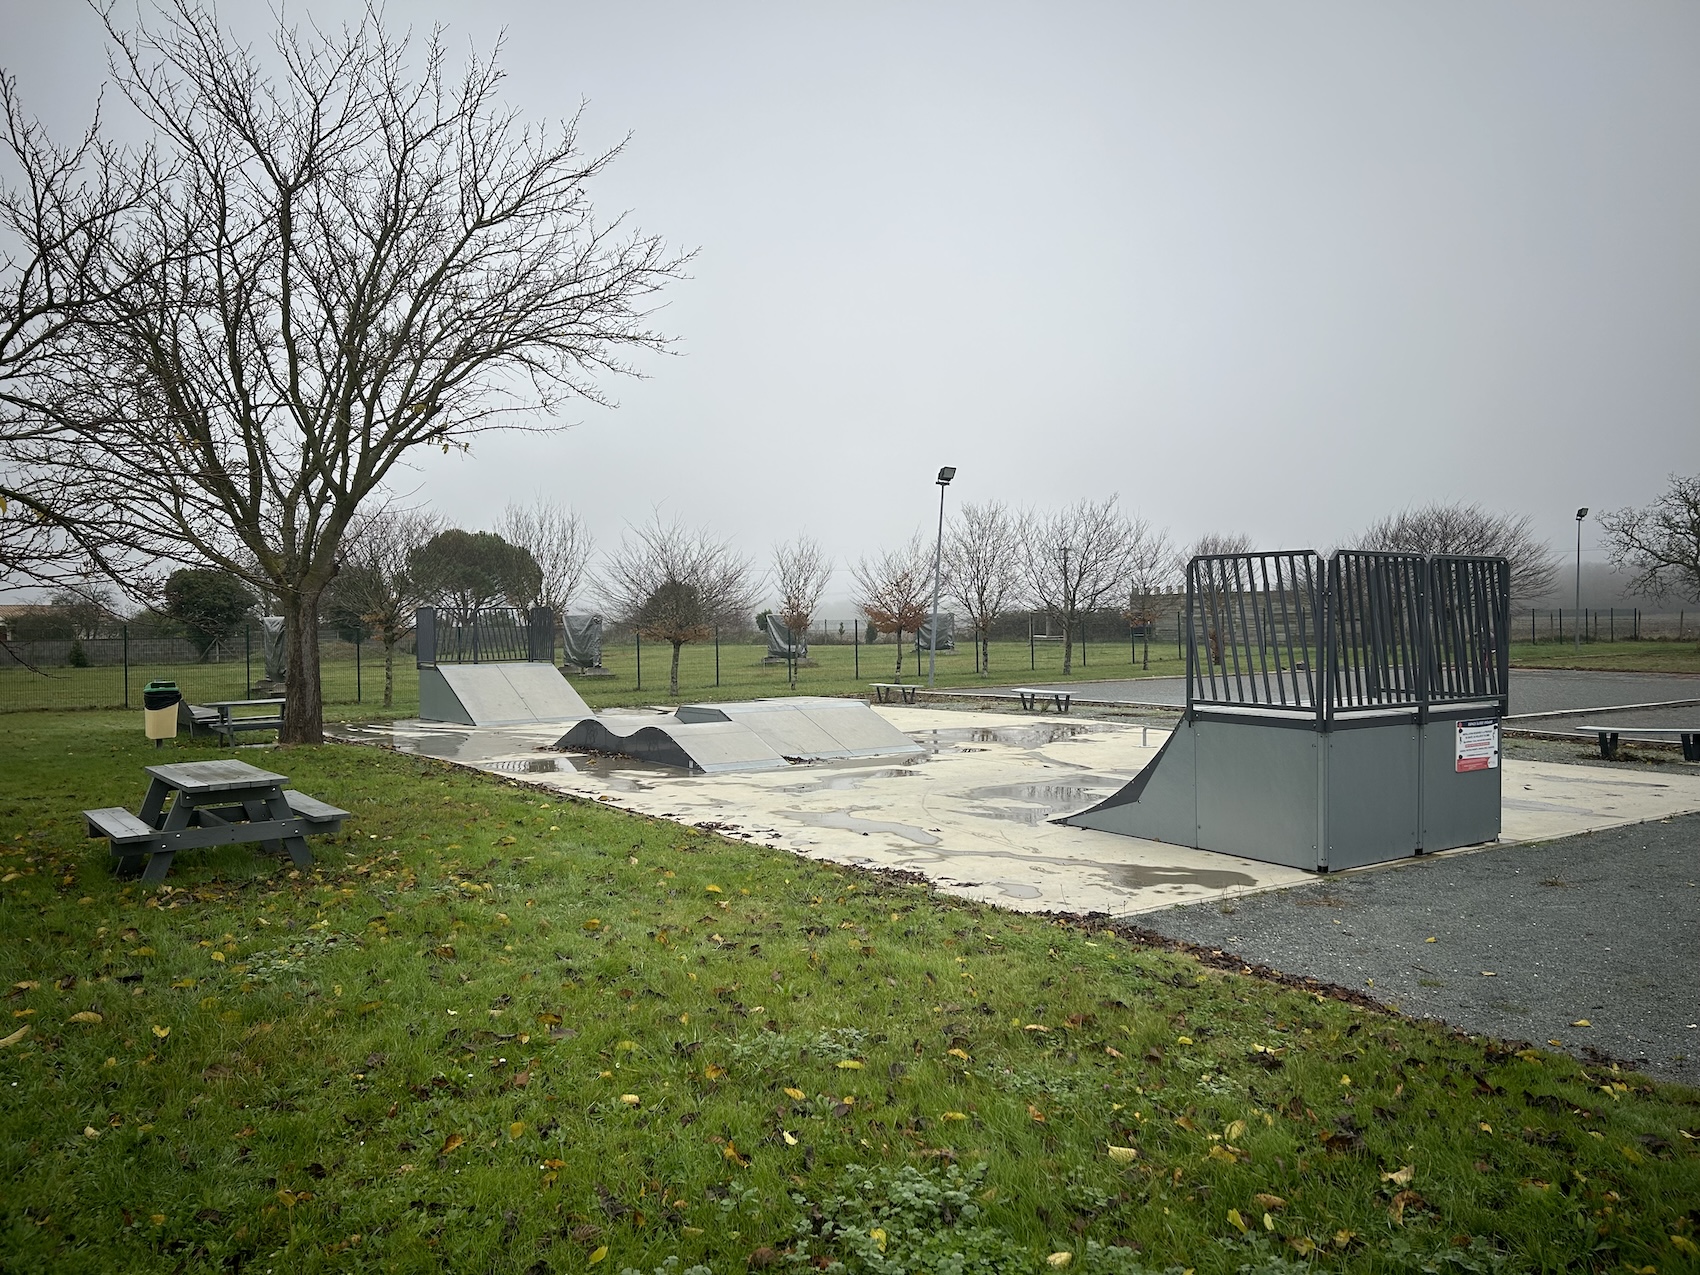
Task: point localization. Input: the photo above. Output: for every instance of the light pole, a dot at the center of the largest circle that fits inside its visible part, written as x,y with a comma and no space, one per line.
1068,612
1580,514
945,475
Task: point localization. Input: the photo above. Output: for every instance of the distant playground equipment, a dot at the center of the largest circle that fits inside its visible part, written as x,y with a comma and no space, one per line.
581,643
1338,713
783,645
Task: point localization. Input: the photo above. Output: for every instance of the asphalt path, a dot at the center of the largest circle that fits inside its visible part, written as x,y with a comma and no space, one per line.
1587,943
1532,690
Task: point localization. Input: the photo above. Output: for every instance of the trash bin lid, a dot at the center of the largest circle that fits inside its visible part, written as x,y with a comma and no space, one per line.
160,686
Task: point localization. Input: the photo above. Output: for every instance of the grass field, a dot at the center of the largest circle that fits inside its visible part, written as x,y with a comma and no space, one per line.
498,1031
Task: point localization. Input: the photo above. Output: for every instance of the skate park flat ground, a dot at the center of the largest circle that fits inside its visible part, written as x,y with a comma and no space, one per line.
1585,942
972,812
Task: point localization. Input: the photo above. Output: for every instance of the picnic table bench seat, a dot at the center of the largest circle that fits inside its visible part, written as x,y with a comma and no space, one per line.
322,815
887,692
118,825
1035,698
1608,737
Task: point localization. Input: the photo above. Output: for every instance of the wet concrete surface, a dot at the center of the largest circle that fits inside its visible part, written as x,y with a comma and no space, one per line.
974,813
1588,941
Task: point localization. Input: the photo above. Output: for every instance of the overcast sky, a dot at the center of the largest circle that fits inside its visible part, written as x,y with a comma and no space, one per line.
1279,269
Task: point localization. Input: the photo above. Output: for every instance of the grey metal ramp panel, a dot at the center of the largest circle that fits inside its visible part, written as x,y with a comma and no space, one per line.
438,701
710,747
1258,791
485,695
546,694
1372,794
858,730
790,733
1160,803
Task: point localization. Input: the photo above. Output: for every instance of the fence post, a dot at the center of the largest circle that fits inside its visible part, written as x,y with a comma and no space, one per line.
248,660
717,655
638,638
357,695
1032,659
856,645
125,629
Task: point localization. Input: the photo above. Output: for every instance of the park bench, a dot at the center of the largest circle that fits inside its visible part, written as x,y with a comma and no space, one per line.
887,692
1689,735
221,718
1035,698
194,805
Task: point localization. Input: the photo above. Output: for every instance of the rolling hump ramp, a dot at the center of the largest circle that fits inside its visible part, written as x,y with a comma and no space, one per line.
497,694
748,735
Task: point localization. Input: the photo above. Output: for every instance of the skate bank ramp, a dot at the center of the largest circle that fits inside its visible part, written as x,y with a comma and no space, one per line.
748,735
497,694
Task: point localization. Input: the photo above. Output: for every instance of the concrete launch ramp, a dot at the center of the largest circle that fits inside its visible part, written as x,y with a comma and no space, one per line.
706,746
749,735
811,727
497,694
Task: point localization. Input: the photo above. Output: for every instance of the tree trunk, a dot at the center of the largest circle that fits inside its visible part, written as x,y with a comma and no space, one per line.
1068,643
673,678
986,653
303,709
389,674
899,655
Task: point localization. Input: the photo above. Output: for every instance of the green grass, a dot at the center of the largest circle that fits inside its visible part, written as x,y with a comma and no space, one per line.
1664,655
418,1056
742,675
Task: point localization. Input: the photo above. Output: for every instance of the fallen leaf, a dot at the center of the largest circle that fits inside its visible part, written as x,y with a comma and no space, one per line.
953,1115
1269,1201
450,1143
1400,1177
630,1099
712,889
161,1032
597,1256
794,1093
1343,1238
1037,1115
89,1131
1429,939
878,1236
1489,974
1581,1022
1221,1153
790,1141
1234,1218
850,1064
516,1129
1113,1052
1183,1040
1235,1130
1123,1155
549,1020
1685,1245
959,1053
1059,1260
15,1037
730,1152
713,1071
1402,1201
1303,1245
85,1016
1185,1122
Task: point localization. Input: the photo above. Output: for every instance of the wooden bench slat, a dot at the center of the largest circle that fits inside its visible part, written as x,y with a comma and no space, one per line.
312,808
117,824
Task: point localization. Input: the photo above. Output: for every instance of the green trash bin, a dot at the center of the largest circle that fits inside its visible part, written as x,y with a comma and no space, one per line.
159,709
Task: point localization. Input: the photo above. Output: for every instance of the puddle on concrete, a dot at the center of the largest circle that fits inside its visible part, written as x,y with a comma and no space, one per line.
850,823
843,781
1016,889
1139,876
529,765
1034,736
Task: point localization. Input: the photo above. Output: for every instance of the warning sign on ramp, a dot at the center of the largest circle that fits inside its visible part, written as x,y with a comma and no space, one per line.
1478,744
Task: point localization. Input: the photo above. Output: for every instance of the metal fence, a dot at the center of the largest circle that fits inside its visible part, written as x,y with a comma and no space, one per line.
485,635
1364,632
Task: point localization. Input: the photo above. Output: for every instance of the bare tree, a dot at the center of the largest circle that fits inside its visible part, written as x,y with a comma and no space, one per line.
1210,600
358,254
560,544
1152,574
894,590
982,554
675,584
800,573
1470,530
375,584
1076,559
1661,543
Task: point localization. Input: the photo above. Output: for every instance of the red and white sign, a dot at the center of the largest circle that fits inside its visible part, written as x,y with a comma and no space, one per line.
1478,744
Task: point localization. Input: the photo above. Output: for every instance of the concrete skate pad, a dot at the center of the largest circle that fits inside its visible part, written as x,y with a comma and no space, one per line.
811,728
497,694
709,747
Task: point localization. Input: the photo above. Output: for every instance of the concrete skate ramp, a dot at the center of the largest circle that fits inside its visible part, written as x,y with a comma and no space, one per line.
705,746
811,727
497,694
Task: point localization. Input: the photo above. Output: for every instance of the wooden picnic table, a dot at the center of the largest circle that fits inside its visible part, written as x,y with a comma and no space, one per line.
196,804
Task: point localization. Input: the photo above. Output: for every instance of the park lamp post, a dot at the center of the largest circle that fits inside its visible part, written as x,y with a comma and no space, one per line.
1580,514
945,475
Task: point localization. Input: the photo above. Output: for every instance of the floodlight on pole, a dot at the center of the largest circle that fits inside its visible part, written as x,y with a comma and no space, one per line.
1580,514
946,473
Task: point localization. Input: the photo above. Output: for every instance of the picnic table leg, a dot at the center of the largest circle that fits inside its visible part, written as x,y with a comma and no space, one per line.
1608,745
154,802
299,853
159,863
258,811
1691,747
